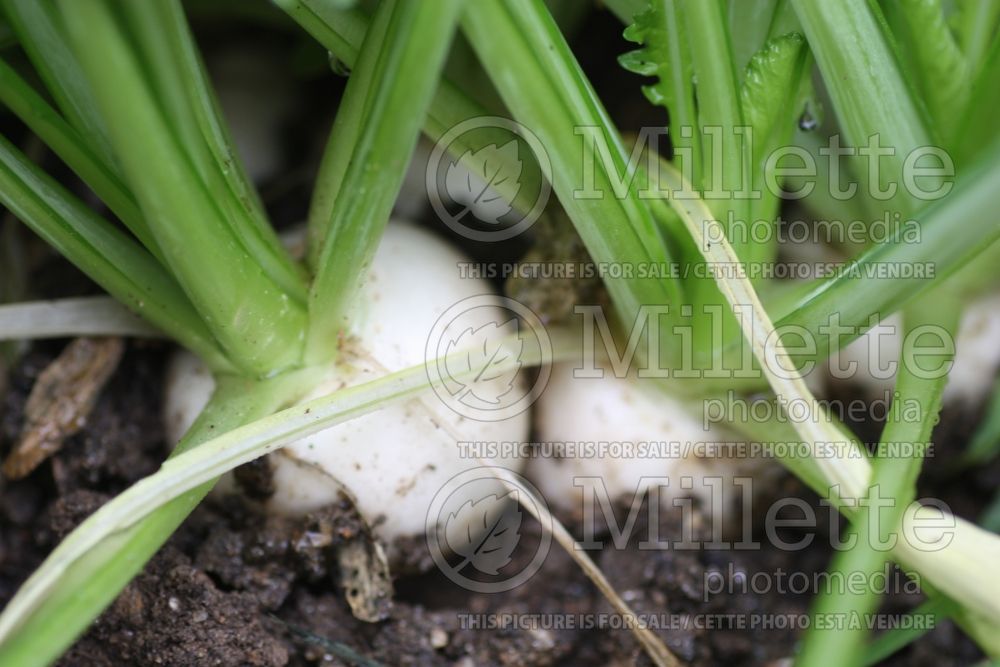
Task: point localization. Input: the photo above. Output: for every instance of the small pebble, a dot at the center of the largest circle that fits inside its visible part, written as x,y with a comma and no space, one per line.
542,639
439,638
174,604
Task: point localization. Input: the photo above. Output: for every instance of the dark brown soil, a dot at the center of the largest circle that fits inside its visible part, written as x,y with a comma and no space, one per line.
235,588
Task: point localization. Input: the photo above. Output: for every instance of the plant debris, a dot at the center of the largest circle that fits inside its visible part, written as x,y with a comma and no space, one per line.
61,400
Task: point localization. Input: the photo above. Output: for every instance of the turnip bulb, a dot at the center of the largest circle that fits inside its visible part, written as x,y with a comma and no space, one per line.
392,461
650,439
871,361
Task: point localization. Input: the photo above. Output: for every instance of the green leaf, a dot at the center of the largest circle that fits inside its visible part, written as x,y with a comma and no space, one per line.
392,103
770,88
666,55
650,30
775,86
940,68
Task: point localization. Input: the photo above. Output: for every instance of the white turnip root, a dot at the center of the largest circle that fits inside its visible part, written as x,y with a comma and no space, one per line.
394,460
630,411
870,360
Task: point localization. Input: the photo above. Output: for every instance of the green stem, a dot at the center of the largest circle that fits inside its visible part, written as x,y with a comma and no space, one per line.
541,83
937,65
342,32
257,323
725,162
347,128
625,10
888,643
749,26
869,92
41,33
978,124
109,256
978,29
893,477
65,142
409,57
177,77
